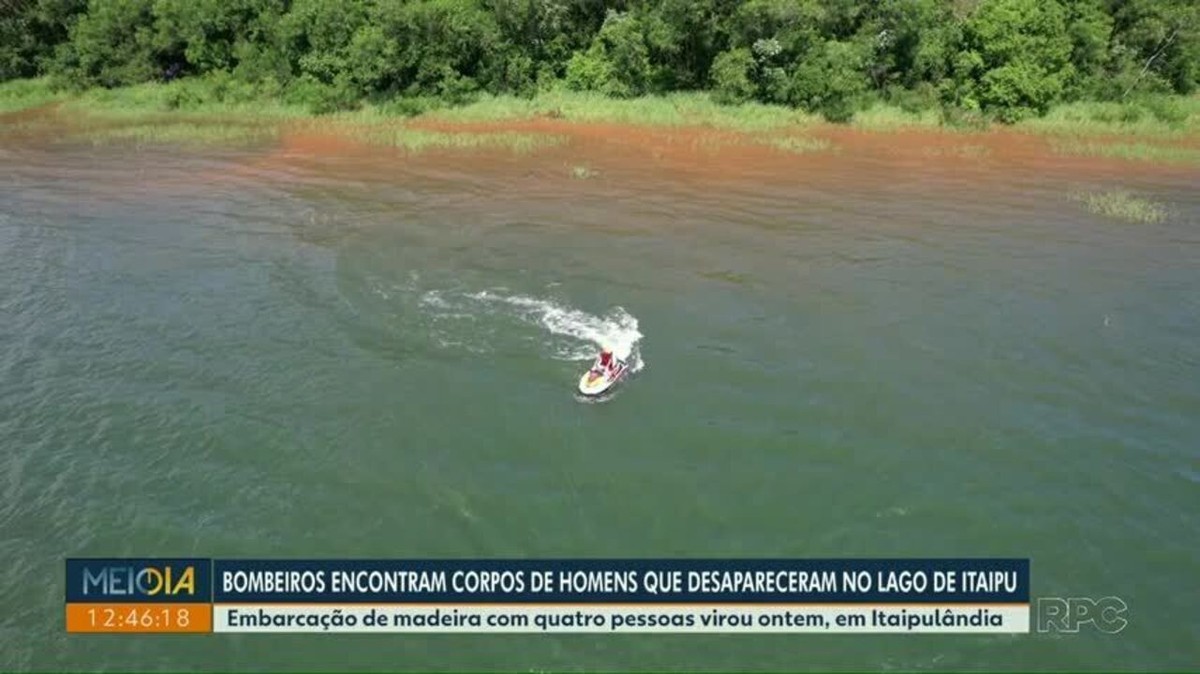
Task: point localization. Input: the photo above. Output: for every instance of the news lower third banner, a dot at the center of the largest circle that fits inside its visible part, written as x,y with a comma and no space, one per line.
601,596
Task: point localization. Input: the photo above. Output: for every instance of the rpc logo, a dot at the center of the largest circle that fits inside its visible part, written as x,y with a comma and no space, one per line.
1058,614
139,581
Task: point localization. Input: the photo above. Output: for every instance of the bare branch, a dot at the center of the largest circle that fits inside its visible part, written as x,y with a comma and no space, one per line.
1146,68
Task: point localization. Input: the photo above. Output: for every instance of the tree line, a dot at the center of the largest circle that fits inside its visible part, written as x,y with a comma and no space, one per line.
1005,59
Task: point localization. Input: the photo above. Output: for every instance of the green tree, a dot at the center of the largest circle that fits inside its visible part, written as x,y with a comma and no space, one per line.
1025,51
18,48
910,42
315,36
618,60
689,35
538,38
30,31
213,33
1090,28
779,34
830,80
842,19
1156,41
793,24
1005,58
115,43
733,76
445,48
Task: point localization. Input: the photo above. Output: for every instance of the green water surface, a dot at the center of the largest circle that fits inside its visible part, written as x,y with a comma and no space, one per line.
325,359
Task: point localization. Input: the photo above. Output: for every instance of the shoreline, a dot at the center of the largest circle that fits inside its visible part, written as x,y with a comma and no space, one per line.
198,111
565,141
1105,175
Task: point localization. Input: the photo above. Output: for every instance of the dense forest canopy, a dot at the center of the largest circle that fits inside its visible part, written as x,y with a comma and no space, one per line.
1006,59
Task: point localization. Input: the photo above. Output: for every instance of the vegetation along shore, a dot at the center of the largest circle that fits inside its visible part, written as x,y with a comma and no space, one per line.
201,70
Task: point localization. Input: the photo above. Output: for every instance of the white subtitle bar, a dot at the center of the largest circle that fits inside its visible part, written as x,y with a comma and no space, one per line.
622,618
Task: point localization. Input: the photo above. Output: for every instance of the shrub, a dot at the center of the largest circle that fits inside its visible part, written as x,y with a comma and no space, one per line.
590,71
732,73
115,44
1023,50
830,82
321,97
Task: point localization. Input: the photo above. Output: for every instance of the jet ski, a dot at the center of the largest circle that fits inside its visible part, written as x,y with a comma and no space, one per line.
600,378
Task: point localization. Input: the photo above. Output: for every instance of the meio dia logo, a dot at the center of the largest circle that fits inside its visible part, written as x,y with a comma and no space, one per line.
140,581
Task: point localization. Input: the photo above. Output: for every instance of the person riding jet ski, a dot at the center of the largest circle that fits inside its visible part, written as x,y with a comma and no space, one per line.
607,361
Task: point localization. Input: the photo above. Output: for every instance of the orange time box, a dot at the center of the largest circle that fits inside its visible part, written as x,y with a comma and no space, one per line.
144,618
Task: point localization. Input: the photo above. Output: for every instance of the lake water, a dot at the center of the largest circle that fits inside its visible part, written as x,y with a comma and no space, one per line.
300,352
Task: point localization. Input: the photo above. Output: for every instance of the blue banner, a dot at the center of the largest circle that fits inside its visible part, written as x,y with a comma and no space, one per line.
139,580
768,581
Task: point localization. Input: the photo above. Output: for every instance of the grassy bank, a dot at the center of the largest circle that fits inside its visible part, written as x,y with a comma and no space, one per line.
1158,117
1129,151
670,110
199,99
19,95
217,109
199,110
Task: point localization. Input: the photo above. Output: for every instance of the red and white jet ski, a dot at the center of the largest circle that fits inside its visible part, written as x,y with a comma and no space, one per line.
600,378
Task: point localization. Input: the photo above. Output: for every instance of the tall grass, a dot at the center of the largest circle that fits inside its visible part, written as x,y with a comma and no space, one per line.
885,117
418,140
219,108
797,144
1122,205
958,151
186,133
1129,151
671,110
1167,117
192,99
24,94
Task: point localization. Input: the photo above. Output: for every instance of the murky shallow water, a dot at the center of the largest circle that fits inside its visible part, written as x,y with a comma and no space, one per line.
871,352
